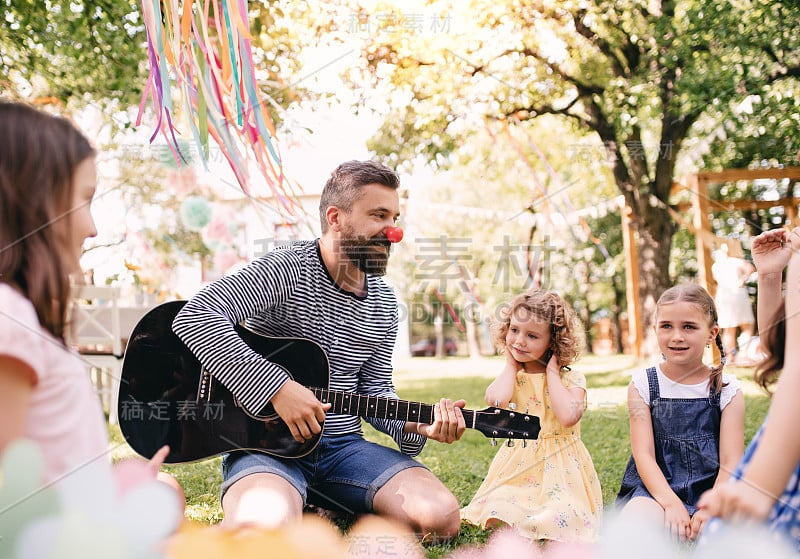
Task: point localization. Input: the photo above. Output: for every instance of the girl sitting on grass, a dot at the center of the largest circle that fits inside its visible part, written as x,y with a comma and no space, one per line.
547,489
686,419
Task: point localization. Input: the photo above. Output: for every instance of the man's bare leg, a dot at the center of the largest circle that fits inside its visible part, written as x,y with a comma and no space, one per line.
261,499
418,499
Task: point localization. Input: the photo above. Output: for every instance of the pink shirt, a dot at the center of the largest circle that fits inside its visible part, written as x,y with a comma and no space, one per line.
64,417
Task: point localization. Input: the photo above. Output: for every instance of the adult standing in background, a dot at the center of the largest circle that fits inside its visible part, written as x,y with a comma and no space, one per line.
732,300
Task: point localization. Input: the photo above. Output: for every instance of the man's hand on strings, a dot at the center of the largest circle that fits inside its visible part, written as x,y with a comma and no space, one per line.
300,410
448,422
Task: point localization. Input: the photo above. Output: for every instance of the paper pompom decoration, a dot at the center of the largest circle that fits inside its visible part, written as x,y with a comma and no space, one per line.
195,213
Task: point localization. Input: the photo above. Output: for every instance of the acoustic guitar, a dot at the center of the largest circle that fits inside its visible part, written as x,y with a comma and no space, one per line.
166,397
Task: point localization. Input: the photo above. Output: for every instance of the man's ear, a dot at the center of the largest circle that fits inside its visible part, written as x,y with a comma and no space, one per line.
333,215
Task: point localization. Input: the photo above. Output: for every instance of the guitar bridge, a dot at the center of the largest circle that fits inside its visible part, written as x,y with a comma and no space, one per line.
204,388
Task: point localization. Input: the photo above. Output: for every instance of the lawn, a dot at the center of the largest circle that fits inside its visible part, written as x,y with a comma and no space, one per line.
461,466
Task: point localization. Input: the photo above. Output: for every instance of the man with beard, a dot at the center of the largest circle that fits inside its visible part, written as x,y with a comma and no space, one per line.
330,291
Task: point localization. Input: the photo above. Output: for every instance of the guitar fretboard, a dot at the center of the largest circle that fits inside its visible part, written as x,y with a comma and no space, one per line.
381,407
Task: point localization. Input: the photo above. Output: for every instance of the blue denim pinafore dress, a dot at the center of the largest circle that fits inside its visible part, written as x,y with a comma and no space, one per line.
686,437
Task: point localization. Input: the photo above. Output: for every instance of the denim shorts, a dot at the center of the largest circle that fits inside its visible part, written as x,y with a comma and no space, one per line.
343,473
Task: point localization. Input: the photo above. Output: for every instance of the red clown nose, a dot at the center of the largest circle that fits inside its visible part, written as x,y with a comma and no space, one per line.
394,234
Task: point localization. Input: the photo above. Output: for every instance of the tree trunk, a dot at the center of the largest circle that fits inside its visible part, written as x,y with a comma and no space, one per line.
471,313
438,327
655,230
585,313
619,297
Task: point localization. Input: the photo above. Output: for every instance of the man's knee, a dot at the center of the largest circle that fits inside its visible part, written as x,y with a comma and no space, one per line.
264,500
444,519
416,497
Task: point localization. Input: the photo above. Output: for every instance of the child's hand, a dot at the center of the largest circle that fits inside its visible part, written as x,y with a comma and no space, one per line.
738,501
552,365
771,250
131,472
677,521
155,463
501,390
698,521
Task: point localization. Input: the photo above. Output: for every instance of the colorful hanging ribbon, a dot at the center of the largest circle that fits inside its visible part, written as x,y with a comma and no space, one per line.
204,50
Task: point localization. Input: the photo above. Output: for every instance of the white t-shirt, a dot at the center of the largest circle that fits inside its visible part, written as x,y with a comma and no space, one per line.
64,418
670,389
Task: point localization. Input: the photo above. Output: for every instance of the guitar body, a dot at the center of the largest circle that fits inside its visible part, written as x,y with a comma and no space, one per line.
166,398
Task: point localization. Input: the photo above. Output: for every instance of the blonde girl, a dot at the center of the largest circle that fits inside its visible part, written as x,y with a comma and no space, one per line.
686,419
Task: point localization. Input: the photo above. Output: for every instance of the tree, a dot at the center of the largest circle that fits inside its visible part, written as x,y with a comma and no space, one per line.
64,50
635,75
500,221
84,51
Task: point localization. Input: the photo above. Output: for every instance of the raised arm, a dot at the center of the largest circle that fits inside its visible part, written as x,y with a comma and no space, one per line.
500,391
771,252
568,403
777,455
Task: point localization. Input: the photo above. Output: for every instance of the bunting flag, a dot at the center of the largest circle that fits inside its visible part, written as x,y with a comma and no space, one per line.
546,199
202,51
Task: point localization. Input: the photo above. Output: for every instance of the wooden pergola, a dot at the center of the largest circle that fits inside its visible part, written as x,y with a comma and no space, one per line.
705,239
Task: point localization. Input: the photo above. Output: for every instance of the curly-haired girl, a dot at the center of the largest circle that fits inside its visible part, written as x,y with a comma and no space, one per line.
547,489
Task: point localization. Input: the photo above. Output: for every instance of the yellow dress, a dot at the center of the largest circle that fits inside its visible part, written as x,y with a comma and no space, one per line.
549,489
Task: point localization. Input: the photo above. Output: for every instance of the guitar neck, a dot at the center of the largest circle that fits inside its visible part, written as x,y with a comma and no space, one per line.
348,403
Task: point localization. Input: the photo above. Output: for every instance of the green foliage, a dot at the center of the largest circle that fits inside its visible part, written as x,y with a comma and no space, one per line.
683,262
634,76
91,51
68,49
281,29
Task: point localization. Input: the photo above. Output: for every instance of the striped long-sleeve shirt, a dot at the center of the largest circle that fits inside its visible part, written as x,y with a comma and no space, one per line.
289,293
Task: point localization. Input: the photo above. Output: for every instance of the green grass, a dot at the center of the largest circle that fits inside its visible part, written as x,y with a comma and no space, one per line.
462,466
